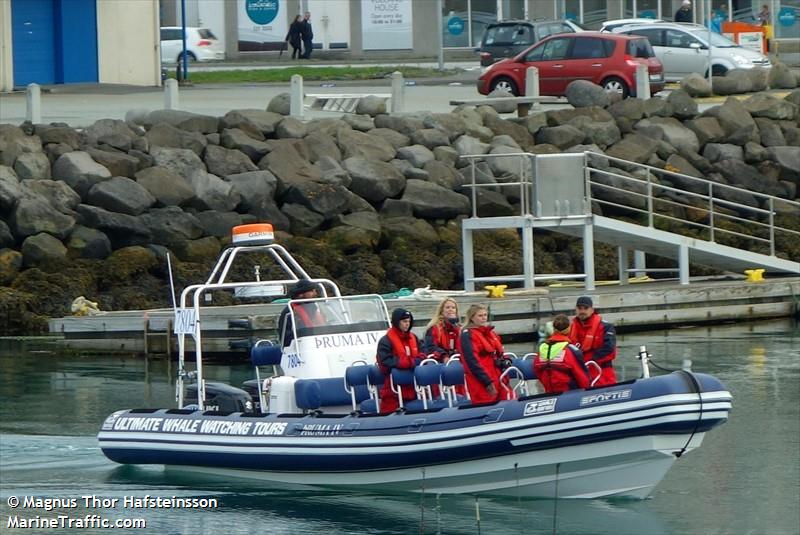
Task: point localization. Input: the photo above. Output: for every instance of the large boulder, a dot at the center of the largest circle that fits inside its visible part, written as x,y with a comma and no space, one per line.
371,105
291,128
32,165
183,120
122,229
223,162
252,187
180,161
707,129
431,201
58,194
770,133
171,226
404,124
359,230
280,104
33,215
788,158
85,242
696,85
737,122
235,138
321,145
165,185
582,94
42,249
112,132
211,192
58,134
561,136
673,132
682,104
767,106
166,135
79,171
715,152
363,145
117,163
430,137
417,155
10,189
633,147
120,194
374,180
781,77
325,199
442,174
302,221
286,163
417,231
449,123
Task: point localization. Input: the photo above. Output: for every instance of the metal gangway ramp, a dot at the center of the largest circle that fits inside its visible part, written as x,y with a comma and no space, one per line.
634,207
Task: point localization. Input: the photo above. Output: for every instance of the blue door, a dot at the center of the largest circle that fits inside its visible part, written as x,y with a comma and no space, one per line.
33,39
76,41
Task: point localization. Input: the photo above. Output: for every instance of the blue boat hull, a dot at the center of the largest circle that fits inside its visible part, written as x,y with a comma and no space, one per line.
610,441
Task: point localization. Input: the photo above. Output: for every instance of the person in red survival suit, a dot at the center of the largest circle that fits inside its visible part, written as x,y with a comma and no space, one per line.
596,338
559,364
441,337
307,314
482,353
398,348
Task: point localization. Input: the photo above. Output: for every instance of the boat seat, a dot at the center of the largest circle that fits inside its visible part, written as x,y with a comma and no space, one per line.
265,354
366,376
522,370
453,377
398,378
312,394
426,376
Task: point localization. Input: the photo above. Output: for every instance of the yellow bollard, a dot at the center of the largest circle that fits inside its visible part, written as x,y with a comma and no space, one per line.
754,275
496,290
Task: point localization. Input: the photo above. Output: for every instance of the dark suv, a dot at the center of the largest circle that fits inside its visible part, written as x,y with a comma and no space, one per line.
507,38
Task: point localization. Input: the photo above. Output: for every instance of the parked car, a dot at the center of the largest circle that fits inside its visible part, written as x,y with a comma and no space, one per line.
683,49
605,59
201,45
610,25
507,38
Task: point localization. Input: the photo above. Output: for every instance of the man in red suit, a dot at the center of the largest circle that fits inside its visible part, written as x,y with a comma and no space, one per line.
596,338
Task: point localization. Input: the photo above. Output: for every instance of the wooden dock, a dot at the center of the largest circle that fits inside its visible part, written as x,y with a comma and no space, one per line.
643,306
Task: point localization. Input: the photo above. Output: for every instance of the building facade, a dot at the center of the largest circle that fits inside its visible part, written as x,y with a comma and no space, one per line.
117,41
79,41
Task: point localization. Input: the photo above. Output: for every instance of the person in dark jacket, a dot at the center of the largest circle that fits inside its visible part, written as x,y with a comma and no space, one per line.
307,314
441,337
482,354
398,348
307,34
559,364
294,36
596,338
684,13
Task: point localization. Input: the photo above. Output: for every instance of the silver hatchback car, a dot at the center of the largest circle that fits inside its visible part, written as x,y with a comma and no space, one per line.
684,49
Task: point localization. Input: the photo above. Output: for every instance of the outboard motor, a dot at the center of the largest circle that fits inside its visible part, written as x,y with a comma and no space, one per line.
223,398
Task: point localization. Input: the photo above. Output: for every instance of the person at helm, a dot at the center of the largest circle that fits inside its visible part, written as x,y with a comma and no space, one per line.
307,314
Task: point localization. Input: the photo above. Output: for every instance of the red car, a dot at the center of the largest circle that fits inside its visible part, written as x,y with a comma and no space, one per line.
608,60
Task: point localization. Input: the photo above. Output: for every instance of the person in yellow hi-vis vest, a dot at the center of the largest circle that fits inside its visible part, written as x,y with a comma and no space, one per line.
559,364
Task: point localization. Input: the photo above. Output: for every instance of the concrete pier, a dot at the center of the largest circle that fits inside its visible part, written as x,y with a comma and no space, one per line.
517,317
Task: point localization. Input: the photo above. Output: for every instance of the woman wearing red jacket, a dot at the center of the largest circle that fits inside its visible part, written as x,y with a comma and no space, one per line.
441,338
398,348
480,349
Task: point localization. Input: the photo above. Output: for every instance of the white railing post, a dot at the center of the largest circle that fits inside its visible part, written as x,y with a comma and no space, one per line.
711,211
642,82
398,92
33,95
171,97
622,253
771,226
683,263
532,85
639,263
296,97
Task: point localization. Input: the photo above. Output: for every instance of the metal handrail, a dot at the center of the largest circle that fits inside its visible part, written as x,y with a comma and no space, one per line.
763,216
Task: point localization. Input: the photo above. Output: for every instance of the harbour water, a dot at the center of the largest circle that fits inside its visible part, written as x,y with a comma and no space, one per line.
745,479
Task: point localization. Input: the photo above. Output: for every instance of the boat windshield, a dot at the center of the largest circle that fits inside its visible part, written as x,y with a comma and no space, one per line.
335,315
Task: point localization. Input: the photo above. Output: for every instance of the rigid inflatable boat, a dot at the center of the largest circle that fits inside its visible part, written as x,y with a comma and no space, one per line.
315,419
